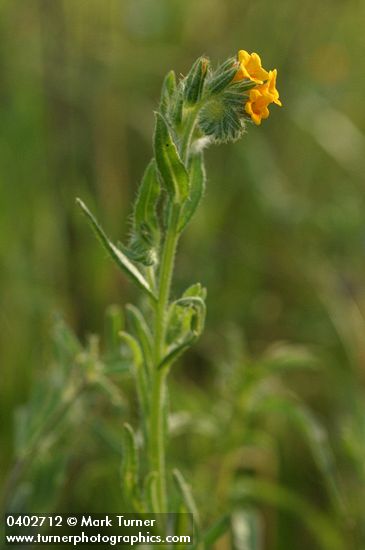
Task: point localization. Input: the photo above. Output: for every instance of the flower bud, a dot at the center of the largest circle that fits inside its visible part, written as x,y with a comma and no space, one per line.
195,81
223,76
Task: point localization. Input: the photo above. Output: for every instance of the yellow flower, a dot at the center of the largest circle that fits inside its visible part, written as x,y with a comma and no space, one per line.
257,106
250,67
270,87
261,97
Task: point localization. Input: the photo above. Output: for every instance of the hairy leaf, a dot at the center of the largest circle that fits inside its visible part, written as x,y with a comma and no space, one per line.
214,533
151,492
223,76
120,259
317,439
186,495
197,188
194,82
196,290
142,331
320,525
141,379
169,163
186,323
167,92
130,466
114,323
146,224
177,350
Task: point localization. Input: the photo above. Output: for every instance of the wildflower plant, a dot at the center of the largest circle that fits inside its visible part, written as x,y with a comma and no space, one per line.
208,106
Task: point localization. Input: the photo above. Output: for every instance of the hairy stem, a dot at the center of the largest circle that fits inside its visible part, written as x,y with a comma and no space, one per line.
157,419
158,405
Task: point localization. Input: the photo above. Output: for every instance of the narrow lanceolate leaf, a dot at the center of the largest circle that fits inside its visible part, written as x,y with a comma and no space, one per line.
130,465
317,439
324,531
114,323
139,251
168,91
141,379
120,259
133,346
191,326
176,351
178,104
146,232
66,344
186,495
197,188
194,82
142,331
150,491
214,533
222,76
146,224
169,163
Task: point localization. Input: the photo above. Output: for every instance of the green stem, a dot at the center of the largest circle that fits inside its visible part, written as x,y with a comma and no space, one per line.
158,401
157,419
189,125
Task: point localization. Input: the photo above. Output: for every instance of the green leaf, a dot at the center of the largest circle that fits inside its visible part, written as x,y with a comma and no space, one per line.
115,397
197,188
214,533
196,303
66,344
194,82
142,331
130,468
186,495
176,351
139,251
114,323
196,290
140,373
321,526
113,360
120,259
134,347
146,224
150,492
21,429
283,356
223,76
167,92
181,322
178,105
169,163
185,326
317,439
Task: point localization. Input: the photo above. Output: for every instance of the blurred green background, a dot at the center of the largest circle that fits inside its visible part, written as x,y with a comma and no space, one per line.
279,240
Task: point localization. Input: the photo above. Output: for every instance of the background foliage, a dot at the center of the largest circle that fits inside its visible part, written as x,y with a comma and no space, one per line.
279,240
